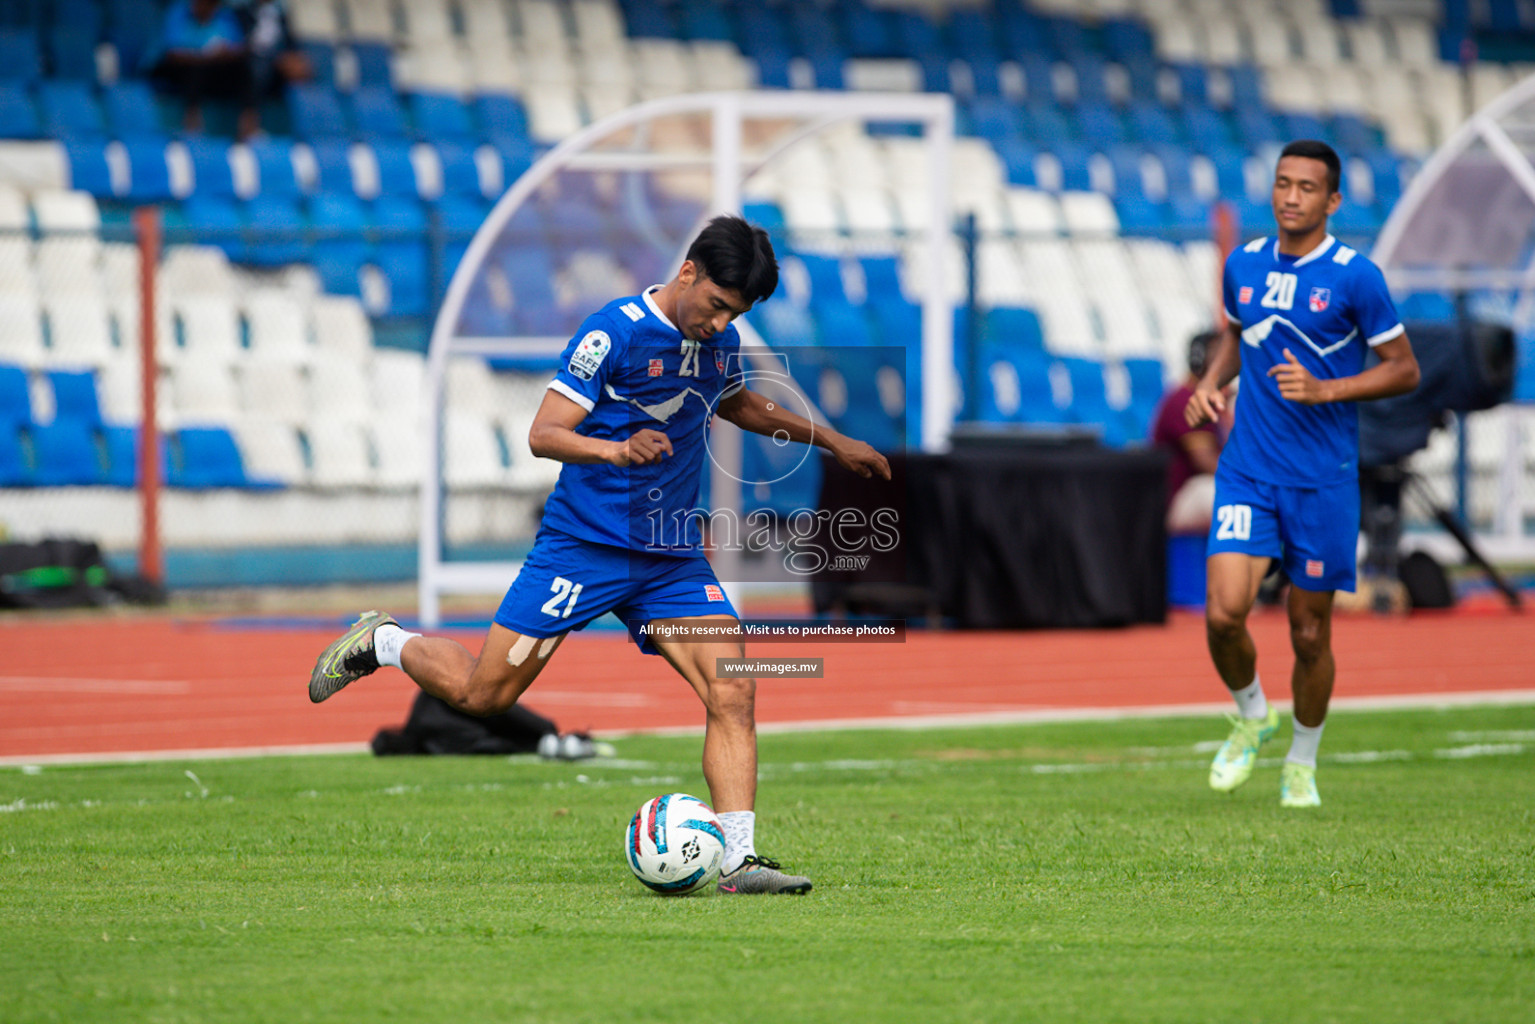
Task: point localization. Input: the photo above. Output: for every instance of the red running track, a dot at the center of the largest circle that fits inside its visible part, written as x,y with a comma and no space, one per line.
95,686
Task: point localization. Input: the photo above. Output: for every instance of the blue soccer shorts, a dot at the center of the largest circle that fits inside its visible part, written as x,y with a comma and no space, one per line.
1314,530
566,583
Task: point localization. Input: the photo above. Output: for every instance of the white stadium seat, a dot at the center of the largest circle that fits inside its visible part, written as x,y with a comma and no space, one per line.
471,452
337,385
202,391
398,448
273,390
21,331
80,331
270,450
338,453
1089,213
278,328
398,378
210,329
339,325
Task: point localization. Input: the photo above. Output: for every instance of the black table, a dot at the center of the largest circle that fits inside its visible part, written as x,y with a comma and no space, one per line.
1006,537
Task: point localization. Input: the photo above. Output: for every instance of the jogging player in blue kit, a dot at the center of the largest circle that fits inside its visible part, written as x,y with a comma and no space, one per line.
1302,310
628,414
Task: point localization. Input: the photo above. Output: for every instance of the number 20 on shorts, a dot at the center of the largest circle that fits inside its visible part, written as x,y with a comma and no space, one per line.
1236,522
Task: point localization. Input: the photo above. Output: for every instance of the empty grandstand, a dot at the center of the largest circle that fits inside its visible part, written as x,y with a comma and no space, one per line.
303,267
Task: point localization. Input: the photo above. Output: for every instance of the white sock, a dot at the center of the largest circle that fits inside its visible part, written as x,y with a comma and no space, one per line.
740,827
388,642
1304,744
1250,700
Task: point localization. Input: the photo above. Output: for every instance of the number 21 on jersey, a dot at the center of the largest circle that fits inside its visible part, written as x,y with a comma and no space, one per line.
1281,291
562,589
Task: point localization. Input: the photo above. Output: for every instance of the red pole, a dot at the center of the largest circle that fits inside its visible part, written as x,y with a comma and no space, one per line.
146,226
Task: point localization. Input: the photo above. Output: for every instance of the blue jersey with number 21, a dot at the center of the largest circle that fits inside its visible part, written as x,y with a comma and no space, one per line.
1325,307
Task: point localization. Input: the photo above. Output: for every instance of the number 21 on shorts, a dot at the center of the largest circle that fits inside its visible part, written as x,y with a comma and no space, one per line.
563,589
1236,522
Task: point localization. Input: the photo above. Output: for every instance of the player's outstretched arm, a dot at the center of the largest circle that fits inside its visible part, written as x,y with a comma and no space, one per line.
553,436
751,411
1208,401
1396,374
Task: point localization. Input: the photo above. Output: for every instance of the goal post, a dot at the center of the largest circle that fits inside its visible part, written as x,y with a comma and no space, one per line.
634,188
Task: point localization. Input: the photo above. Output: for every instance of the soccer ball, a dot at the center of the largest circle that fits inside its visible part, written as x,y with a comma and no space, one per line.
675,845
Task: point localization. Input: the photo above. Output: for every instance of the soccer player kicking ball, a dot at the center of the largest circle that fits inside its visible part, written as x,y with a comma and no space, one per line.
1301,309
629,413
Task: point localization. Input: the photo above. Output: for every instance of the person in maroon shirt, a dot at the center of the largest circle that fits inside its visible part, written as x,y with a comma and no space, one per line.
1193,451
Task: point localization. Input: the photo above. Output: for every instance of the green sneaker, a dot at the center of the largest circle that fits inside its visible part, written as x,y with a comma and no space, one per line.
1234,761
1297,786
762,875
348,659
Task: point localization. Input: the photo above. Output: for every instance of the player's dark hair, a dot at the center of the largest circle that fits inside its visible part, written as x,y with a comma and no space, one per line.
1314,150
736,255
1199,351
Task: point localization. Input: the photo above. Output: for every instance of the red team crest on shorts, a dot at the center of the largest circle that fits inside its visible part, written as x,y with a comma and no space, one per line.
1313,568
655,367
713,592
1320,297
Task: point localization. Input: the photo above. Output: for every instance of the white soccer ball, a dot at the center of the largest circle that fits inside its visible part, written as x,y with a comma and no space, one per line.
675,845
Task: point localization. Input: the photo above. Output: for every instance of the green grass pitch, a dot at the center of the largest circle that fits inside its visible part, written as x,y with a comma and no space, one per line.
1067,872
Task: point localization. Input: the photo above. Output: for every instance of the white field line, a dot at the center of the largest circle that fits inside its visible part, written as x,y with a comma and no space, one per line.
984,718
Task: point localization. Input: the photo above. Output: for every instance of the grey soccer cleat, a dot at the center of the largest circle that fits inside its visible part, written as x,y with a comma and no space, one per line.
760,874
348,659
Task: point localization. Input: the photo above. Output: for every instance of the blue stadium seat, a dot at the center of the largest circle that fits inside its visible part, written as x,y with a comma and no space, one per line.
341,247
1146,383
88,170
814,30
274,167
1139,215
210,168
1045,125
402,255
501,117
841,324
20,56
373,60
1385,173
1092,86
133,26
779,478
882,278
765,215
1206,128
18,118
1151,124
131,111
1128,179
1433,307
72,53
322,61
773,68
649,21
827,68
14,471
867,417
122,446
1073,157
870,31
334,167
206,457
1193,85
396,174
1018,158
1256,127
993,118
460,173
1011,329
317,112
985,75
1022,31
15,397
1039,78
70,112
149,178
1125,40
215,220
274,231
972,32
703,19
825,274
64,454
784,324
1175,168
441,118
377,114
762,28
916,34
1068,36
517,155
896,321
85,16
1230,171
74,396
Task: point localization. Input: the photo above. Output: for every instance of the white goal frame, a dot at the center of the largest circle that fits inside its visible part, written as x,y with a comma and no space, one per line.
730,166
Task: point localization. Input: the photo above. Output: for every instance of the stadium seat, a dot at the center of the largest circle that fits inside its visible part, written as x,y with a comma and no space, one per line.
14,471
132,29
210,169
396,171
74,396
72,53
274,231
317,112
501,117
274,168
18,118
148,171
441,118
373,65
205,457
20,56
338,453
277,329
340,248
70,112
64,455
130,110
21,333
377,114
80,330
88,169
15,397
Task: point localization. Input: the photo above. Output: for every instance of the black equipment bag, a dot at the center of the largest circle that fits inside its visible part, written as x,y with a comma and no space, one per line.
436,727
1427,584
